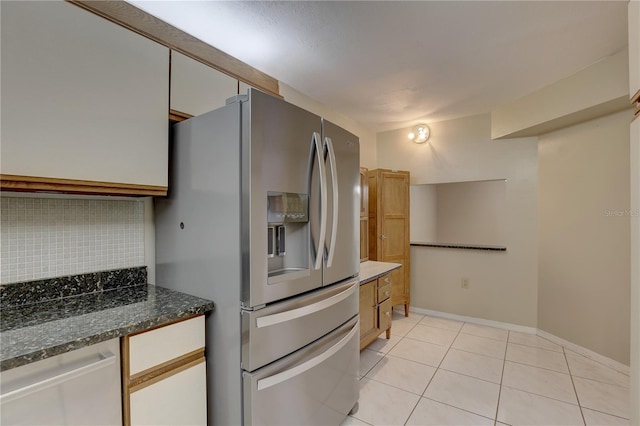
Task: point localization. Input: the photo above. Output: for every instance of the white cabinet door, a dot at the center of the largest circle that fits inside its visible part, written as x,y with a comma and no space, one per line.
197,88
177,400
165,378
82,98
634,47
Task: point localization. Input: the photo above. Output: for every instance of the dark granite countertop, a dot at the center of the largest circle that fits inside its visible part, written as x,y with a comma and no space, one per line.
36,331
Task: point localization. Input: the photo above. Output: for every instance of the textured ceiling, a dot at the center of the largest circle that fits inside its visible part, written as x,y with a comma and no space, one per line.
389,64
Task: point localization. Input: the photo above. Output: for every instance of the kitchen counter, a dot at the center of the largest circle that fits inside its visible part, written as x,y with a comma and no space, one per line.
35,331
370,269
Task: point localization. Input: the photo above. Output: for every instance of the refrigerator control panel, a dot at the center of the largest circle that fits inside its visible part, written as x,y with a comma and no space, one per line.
283,207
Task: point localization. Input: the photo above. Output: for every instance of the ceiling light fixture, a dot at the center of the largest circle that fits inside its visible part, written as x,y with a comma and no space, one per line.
420,133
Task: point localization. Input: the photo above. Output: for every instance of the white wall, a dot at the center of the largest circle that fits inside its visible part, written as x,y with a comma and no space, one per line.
503,286
423,213
584,226
592,92
367,136
472,212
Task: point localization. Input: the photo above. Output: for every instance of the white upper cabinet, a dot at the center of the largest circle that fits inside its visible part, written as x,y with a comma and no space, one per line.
197,88
634,47
82,98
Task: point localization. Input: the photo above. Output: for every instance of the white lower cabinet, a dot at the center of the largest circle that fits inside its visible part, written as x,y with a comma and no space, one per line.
164,375
180,399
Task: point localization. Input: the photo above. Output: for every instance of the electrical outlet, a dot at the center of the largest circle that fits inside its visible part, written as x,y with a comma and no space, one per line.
464,283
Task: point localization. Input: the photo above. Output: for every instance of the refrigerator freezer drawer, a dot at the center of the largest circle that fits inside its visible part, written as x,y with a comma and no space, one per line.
270,333
317,385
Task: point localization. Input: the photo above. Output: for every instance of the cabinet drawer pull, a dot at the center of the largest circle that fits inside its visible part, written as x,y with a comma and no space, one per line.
386,280
387,293
388,313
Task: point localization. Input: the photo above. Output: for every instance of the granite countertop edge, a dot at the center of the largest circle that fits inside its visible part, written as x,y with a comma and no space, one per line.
188,306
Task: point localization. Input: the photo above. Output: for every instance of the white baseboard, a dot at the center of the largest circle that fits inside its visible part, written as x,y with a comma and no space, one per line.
612,363
474,320
616,365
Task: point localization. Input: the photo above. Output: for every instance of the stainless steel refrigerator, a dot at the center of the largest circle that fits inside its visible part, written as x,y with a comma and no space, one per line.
262,218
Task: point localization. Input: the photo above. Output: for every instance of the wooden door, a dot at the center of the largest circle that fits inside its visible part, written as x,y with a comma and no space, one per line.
393,219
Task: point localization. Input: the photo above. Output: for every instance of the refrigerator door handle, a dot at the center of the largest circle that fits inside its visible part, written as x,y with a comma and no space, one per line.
317,141
278,378
334,217
293,314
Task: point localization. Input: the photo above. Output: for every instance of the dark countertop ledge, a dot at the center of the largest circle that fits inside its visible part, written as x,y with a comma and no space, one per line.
38,331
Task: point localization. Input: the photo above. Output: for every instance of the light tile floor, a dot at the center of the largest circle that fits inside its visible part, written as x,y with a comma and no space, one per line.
435,371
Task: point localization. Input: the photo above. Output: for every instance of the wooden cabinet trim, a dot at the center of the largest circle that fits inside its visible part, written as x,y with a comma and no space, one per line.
175,115
18,183
165,370
132,18
124,360
636,97
364,215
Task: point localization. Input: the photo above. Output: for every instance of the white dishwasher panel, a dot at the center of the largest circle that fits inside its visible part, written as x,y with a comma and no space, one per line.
81,387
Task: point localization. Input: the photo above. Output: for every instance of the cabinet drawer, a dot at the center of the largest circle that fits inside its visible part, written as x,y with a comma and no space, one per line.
384,280
384,314
178,400
163,344
384,292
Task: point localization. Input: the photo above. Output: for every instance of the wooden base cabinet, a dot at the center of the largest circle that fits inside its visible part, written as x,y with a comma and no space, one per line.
164,375
375,309
389,228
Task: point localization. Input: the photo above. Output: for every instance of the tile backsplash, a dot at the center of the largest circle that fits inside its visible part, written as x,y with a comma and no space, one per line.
51,237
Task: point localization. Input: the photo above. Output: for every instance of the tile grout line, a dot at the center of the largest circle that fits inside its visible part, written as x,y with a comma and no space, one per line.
476,353
434,373
541,368
574,385
504,362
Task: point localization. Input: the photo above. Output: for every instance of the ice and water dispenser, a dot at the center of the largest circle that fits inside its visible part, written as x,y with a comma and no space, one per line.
287,235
